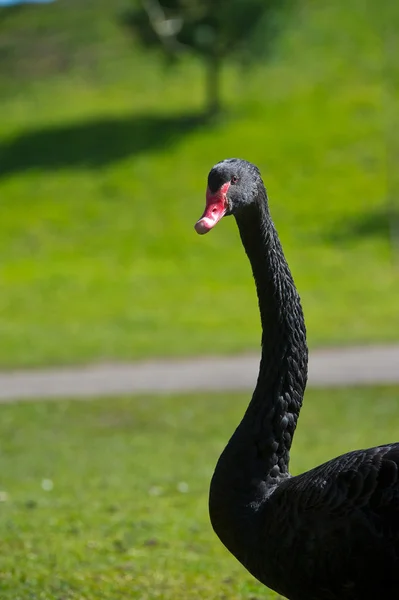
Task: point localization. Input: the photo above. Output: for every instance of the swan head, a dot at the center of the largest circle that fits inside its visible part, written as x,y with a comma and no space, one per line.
233,185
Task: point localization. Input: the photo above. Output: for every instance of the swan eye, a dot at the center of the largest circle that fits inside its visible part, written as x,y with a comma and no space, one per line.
234,179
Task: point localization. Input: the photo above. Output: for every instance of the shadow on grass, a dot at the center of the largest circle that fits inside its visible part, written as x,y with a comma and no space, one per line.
95,143
376,224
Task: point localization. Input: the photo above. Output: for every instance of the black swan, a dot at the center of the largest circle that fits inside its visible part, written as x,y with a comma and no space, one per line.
331,533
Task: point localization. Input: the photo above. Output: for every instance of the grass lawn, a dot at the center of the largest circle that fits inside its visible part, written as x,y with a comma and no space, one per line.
108,499
102,176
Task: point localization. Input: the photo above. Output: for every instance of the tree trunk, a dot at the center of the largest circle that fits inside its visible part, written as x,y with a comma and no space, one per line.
213,73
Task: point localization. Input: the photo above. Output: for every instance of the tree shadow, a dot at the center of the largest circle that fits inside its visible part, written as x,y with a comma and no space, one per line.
376,224
95,143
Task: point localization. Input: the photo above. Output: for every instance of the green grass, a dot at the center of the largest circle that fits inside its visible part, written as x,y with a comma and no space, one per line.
127,514
103,175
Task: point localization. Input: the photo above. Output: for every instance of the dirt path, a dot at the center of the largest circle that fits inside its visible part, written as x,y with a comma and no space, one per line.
327,367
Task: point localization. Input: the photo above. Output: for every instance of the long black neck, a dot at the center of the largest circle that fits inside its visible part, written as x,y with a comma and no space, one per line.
256,459
259,449
272,414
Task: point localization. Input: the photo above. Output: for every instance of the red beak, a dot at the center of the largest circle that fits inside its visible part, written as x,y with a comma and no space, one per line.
215,209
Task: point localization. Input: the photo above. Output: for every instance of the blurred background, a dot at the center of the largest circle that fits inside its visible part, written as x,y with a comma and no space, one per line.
112,114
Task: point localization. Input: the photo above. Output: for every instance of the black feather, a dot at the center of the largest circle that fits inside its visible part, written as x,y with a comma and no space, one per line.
331,533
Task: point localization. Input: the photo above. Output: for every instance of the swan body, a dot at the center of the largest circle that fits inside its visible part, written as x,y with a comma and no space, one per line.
331,533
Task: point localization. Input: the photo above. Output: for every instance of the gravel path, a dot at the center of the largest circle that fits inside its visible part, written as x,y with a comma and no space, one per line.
329,367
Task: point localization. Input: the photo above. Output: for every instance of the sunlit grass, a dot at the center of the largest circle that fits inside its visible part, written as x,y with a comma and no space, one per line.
108,499
102,181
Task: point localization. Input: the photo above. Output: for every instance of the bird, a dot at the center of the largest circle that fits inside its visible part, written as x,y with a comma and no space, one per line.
331,533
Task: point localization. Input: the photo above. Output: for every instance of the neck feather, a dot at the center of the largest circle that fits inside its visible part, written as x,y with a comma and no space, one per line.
273,411
256,458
